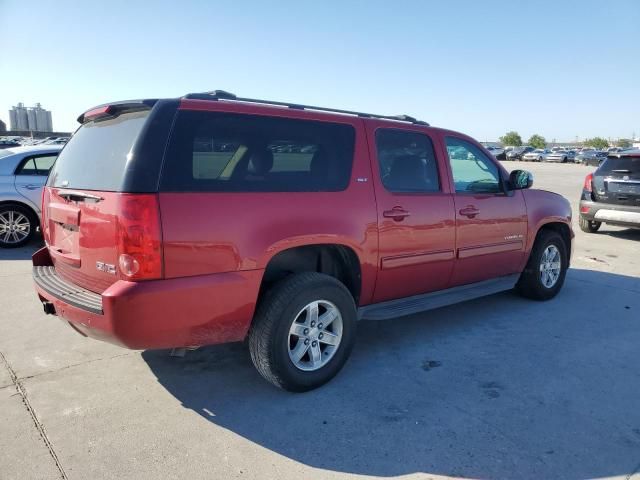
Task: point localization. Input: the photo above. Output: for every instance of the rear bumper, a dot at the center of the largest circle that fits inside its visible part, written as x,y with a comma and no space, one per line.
611,214
189,311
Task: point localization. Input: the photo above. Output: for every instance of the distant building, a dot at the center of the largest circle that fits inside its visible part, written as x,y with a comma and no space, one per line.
3,127
33,119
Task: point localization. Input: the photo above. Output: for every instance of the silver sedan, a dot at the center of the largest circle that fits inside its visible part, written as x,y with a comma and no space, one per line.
23,173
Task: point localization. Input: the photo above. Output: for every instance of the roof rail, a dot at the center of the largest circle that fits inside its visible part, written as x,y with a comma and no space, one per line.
222,95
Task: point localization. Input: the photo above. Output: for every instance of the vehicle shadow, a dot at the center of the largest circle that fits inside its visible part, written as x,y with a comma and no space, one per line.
628,234
500,387
22,253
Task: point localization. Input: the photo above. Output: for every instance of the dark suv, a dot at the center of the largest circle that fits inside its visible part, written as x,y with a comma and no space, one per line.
210,218
611,194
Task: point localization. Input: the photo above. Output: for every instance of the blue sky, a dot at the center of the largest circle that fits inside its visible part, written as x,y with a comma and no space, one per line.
564,69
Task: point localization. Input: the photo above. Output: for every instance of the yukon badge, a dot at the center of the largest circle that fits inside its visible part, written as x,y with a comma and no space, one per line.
106,267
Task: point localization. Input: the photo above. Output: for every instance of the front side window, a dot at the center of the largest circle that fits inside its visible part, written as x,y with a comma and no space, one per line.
211,151
407,161
472,171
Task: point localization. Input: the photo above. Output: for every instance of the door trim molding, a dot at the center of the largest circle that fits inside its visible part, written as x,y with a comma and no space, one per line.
467,252
387,263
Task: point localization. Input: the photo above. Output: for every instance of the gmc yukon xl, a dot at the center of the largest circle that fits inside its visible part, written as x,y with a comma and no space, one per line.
212,218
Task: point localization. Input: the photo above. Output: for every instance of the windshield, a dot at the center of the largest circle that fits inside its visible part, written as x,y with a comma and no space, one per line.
96,156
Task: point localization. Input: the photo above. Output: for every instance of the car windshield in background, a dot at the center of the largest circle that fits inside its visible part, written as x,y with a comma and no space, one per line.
96,156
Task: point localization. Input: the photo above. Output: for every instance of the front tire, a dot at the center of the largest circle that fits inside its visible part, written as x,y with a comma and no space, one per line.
17,226
589,226
546,269
303,331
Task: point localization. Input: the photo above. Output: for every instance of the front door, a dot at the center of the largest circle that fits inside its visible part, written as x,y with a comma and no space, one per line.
491,222
416,219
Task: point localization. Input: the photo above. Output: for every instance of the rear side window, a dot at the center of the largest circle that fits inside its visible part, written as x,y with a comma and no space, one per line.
214,152
37,165
407,161
96,156
28,168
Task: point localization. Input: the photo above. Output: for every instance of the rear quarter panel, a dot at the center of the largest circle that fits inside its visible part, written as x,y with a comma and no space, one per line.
215,232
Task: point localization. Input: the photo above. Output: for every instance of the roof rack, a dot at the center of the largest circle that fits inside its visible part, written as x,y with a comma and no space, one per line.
222,95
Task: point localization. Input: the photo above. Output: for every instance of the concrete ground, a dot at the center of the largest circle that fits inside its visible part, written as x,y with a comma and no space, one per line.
499,387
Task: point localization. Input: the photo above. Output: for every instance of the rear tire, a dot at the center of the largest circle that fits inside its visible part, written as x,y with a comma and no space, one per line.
539,280
17,225
288,306
589,226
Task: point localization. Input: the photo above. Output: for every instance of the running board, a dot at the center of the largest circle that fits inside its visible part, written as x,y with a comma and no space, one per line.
433,300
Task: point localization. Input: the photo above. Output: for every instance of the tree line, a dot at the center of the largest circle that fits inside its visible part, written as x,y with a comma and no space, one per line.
538,141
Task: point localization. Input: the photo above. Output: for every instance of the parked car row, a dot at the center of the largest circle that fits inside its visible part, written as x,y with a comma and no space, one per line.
585,156
16,141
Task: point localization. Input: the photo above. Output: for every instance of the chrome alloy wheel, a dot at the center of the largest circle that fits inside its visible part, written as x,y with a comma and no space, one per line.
14,227
315,335
550,265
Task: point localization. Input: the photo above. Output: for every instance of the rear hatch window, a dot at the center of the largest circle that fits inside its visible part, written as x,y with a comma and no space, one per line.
96,156
618,181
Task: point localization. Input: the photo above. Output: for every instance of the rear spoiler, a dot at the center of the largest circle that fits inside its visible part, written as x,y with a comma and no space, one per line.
115,108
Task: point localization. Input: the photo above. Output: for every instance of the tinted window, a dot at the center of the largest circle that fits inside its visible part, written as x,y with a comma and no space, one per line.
44,163
28,168
246,153
96,156
472,170
629,165
407,161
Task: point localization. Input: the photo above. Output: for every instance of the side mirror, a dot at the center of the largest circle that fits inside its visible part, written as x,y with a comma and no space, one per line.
520,179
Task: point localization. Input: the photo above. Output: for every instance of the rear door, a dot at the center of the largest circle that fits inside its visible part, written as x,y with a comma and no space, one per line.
416,220
617,181
491,223
82,199
31,175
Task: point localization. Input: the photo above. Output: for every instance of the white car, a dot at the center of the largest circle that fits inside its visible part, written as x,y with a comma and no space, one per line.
538,155
561,156
23,173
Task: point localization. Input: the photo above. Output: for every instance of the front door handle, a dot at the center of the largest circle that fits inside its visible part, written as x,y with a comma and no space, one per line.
469,211
396,213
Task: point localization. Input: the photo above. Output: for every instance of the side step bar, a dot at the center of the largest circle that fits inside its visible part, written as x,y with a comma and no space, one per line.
433,300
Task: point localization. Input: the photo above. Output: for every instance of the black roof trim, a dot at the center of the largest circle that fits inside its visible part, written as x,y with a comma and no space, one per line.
216,95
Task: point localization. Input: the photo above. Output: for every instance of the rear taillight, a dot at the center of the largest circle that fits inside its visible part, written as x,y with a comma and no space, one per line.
587,182
139,237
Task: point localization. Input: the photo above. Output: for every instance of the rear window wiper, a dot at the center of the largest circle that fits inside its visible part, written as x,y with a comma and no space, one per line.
80,197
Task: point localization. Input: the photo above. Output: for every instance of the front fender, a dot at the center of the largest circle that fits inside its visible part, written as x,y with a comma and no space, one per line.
543,208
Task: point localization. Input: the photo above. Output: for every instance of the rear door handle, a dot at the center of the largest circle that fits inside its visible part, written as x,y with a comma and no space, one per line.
30,186
396,213
469,211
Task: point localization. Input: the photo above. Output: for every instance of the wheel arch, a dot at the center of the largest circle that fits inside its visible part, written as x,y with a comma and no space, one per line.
561,228
334,259
20,203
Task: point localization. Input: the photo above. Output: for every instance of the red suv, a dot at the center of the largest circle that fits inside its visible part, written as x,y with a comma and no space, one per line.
211,218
